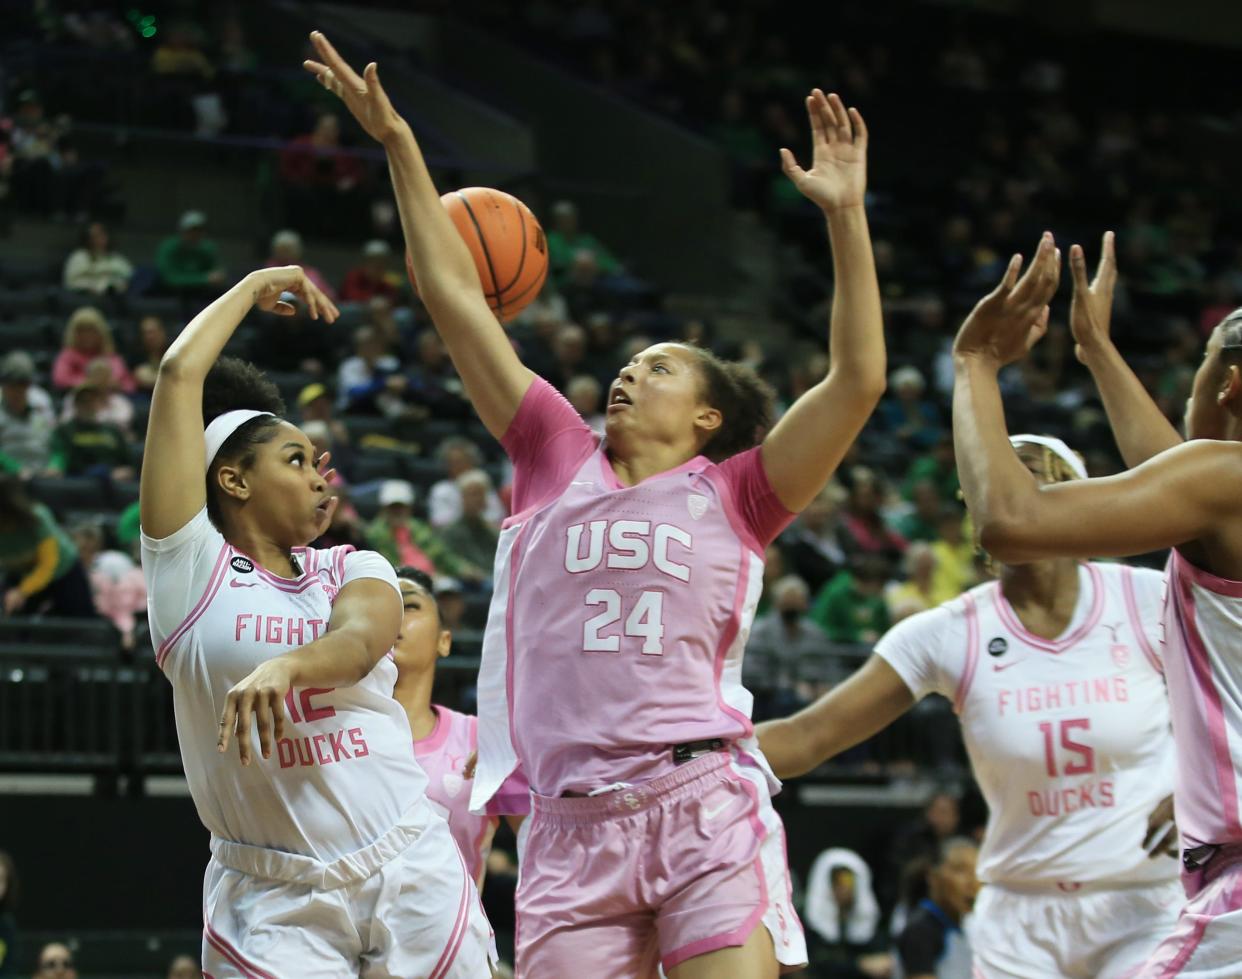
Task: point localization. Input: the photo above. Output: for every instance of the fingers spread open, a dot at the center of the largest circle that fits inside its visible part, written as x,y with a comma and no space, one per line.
1078,268
334,61
789,164
1106,271
819,133
840,117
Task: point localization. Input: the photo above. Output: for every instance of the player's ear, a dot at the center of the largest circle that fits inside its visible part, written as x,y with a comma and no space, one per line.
232,481
444,643
707,420
1231,387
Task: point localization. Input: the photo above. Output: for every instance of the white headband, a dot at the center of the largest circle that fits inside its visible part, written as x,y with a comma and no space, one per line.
222,426
1058,448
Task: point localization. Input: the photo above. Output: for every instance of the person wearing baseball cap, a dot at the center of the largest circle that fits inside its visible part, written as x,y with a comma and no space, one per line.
188,263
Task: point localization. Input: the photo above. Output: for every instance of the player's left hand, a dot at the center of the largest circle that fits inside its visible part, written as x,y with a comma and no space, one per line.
838,175
362,94
262,696
1007,322
1161,838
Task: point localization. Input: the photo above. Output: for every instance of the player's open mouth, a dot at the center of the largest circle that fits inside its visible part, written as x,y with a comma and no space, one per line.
619,399
324,505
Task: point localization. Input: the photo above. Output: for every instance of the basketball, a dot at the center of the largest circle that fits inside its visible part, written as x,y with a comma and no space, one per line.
507,243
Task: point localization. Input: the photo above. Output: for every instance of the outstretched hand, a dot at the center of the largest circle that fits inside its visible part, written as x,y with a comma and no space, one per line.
271,285
1092,308
362,94
1007,322
838,175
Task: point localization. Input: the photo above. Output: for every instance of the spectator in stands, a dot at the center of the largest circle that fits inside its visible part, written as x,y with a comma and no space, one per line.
452,602
814,546
315,405
433,380
569,351
403,539
88,337
34,141
586,394
932,945
117,586
322,179
458,455
42,573
95,266
842,915
370,382
793,644
153,341
295,343
114,407
939,466
472,536
566,241
955,554
55,962
851,607
917,592
373,276
10,891
184,967
923,522
86,446
27,418
187,82
921,838
188,263
905,415
866,530
286,249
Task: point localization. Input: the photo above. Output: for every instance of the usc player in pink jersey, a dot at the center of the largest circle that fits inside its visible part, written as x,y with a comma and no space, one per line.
625,586
326,858
1182,495
1055,674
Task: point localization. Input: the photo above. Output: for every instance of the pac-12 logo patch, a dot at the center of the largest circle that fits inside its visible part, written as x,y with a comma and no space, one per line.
998,646
242,565
697,505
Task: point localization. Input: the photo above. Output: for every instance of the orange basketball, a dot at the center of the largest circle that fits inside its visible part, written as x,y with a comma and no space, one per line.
507,243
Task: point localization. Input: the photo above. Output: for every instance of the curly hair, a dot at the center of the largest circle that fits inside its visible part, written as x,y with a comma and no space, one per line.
744,400
230,385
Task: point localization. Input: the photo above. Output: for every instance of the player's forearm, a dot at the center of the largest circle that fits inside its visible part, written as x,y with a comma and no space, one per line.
440,258
788,748
336,659
200,344
1138,424
856,341
998,489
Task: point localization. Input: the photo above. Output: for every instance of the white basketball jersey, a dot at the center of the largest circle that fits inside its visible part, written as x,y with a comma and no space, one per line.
1069,738
344,773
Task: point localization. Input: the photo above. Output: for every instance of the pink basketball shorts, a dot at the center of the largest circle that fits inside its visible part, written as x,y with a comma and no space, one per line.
680,866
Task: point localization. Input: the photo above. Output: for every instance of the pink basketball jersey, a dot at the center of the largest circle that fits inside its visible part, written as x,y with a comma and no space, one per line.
1203,626
443,755
620,612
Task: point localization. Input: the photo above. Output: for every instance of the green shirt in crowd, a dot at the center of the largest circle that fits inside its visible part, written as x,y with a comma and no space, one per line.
848,615
37,554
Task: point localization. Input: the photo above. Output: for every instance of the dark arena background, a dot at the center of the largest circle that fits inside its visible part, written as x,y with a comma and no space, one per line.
152,153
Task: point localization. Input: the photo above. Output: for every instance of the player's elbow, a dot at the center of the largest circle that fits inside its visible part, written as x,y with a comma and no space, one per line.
1003,537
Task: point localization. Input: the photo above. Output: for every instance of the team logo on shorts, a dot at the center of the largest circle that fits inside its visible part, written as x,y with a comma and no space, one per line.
242,565
697,505
998,646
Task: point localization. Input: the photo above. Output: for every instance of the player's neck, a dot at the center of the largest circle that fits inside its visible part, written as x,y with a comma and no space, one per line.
633,464
264,551
413,692
1043,595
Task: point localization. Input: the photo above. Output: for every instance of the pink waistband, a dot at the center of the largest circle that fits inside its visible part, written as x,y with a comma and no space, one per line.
635,798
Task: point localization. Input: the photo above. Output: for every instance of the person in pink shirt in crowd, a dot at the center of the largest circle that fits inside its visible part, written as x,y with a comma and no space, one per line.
87,337
115,408
445,740
117,584
286,249
626,582
1178,493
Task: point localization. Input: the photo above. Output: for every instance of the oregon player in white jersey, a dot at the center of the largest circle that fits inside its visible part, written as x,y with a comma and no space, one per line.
326,857
1055,673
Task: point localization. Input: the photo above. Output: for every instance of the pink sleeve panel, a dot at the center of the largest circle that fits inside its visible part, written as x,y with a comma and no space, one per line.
756,504
547,442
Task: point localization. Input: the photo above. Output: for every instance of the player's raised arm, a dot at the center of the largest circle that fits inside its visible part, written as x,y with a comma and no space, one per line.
846,715
1181,495
1138,424
175,489
448,282
809,442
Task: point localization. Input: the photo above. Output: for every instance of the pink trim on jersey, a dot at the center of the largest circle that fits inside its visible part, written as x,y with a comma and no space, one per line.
292,585
1213,711
726,642
1136,620
1014,624
972,653
221,944
1205,579
439,734
458,934
738,935
1187,950
338,565
214,582
515,564
744,533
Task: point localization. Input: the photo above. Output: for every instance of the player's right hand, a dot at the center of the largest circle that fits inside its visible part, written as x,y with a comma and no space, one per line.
362,94
269,287
1092,307
262,696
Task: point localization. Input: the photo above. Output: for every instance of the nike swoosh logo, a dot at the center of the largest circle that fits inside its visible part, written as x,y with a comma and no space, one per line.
234,583
713,813
997,667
